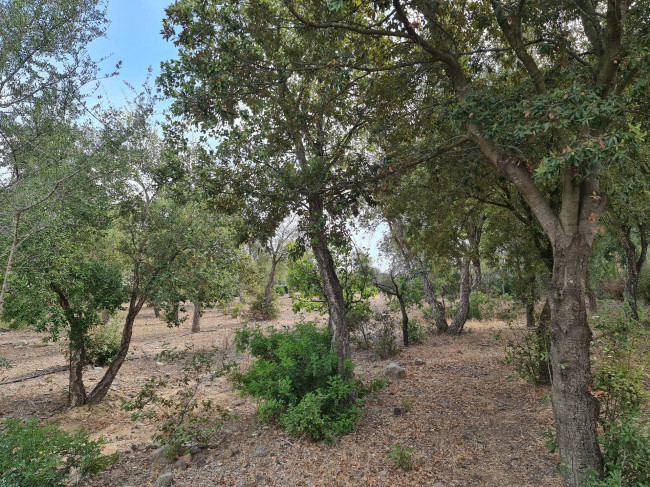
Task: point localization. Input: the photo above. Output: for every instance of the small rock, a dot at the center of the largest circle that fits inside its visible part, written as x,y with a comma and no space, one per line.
159,364
418,362
394,371
438,484
160,457
165,480
39,345
183,462
261,451
397,411
260,478
383,473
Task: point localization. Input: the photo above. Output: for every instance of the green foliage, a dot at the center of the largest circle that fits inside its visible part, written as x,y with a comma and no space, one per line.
620,365
182,418
407,404
103,343
260,310
402,457
526,353
476,299
295,374
236,310
626,449
31,455
384,341
417,332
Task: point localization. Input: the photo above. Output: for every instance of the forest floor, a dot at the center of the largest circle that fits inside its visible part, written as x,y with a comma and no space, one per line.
471,421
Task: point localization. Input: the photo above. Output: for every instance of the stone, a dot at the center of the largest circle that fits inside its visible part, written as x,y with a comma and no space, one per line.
418,362
183,462
160,457
397,411
165,480
261,451
394,371
260,478
438,484
383,473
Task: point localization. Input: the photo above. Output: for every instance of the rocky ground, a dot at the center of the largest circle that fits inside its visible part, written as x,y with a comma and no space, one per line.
468,419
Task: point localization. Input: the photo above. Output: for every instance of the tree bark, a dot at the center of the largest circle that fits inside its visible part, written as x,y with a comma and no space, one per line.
268,290
633,266
405,320
457,325
103,386
478,277
76,389
196,317
10,262
331,284
574,408
156,311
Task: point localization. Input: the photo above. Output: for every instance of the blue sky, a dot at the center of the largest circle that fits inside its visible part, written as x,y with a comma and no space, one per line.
133,37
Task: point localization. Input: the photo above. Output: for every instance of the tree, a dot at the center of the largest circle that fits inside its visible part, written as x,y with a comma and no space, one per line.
512,75
43,67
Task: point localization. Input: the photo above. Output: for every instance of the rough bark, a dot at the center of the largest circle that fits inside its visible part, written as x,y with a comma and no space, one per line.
103,386
268,290
76,389
633,266
196,317
405,320
331,284
457,325
574,408
478,277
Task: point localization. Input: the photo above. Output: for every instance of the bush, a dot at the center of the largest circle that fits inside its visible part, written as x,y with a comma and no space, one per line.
236,310
260,311
182,419
626,448
401,456
385,343
417,332
296,375
103,343
528,355
31,455
476,300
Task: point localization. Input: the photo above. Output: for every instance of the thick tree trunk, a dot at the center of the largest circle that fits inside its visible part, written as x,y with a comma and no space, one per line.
331,284
478,277
103,386
268,290
405,320
456,327
574,407
76,389
196,317
633,267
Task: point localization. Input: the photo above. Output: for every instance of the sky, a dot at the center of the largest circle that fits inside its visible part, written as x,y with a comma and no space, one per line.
134,38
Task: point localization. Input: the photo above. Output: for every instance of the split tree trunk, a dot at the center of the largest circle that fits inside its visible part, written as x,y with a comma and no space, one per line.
196,317
574,408
457,325
331,284
103,386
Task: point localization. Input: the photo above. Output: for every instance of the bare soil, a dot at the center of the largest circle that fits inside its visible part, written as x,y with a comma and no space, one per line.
471,421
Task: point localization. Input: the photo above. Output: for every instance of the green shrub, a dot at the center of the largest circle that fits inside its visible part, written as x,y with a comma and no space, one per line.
643,290
417,332
476,300
528,355
31,455
237,310
279,290
626,451
384,342
103,343
401,456
296,376
184,417
261,311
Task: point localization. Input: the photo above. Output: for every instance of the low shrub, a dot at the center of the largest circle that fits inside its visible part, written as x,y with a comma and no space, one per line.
528,355
402,457
476,300
384,341
259,310
43,456
103,343
296,376
236,310
183,418
417,332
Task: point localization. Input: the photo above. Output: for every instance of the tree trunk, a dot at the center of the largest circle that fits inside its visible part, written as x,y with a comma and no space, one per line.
456,327
574,407
593,304
10,262
331,284
268,290
405,320
438,309
76,389
478,277
156,311
633,267
544,341
103,386
196,318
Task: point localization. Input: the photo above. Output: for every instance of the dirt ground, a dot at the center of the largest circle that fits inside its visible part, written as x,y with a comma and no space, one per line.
471,423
